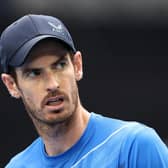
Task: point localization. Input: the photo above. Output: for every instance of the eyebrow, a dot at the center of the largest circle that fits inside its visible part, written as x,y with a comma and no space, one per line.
64,57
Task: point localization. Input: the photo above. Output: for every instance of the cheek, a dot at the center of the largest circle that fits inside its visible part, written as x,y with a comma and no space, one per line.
30,95
72,90
69,83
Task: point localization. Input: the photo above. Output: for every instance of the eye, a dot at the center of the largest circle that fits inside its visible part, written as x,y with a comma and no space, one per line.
61,64
33,73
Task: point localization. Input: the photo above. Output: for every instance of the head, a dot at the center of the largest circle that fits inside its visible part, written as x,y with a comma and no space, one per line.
41,66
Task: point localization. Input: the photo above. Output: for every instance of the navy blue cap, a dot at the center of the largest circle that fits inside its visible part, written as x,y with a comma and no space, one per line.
18,38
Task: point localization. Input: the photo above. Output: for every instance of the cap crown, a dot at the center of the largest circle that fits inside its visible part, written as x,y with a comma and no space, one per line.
25,29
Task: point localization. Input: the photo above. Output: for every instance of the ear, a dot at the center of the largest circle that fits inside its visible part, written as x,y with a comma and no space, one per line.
10,84
77,62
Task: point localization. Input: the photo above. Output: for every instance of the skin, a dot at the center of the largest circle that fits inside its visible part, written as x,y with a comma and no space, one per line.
47,85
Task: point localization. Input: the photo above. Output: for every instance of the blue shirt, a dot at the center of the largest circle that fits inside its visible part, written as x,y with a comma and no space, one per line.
106,143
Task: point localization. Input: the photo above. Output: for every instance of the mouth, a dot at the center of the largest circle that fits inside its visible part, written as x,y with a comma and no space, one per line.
55,101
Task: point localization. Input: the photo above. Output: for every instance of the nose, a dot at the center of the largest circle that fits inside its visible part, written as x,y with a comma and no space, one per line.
51,82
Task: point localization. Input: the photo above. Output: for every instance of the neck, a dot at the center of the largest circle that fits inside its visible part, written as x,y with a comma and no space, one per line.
62,136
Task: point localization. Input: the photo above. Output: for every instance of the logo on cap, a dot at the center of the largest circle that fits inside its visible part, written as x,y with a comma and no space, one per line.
57,28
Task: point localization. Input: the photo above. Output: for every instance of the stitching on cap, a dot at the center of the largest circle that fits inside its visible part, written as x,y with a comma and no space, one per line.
30,17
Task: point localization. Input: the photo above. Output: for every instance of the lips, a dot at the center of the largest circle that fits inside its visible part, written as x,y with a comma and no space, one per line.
54,101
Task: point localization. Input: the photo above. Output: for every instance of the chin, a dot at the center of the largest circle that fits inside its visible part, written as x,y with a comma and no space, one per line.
57,118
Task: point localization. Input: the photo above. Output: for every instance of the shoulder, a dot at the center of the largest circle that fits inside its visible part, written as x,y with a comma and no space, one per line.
142,135
24,157
115,130
138,145
132,131
111,125
144,148
103,121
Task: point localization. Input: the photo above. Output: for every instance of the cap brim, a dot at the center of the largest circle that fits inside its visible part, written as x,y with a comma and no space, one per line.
22,53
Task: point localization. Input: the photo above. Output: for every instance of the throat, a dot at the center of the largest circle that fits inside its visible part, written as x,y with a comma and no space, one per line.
66,136
62,136
59,139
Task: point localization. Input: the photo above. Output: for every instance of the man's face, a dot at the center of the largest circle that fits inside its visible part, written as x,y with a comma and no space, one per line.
46,82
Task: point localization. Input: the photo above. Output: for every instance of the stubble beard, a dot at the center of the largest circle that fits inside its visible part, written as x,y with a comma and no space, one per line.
47,127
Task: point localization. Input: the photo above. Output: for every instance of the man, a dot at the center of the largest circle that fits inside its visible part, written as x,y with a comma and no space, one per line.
41,66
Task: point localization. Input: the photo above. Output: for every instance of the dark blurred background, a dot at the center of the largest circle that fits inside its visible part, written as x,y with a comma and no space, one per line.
124,47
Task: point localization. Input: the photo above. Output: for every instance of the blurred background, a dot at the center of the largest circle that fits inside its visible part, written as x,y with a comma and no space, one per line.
124,46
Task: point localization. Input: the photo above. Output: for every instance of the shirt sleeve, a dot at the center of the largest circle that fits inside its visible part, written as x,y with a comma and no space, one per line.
147,150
